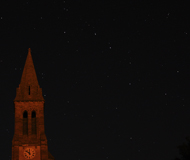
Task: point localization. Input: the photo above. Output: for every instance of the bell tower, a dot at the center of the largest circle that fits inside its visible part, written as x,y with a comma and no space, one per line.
29,140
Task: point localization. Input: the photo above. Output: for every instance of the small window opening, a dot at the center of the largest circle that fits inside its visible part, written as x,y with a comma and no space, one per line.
29,90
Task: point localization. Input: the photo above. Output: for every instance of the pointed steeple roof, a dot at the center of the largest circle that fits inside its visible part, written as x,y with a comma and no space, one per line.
29,73
29,89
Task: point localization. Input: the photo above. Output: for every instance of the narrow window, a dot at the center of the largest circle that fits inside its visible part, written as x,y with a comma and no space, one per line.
29,90
33,122
25,123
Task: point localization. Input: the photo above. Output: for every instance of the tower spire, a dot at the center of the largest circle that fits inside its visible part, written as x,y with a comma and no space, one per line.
29,140
29,89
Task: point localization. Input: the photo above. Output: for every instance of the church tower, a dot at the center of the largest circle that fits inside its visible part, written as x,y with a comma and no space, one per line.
29,140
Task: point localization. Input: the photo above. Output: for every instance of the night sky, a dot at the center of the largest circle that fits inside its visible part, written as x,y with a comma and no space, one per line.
115,76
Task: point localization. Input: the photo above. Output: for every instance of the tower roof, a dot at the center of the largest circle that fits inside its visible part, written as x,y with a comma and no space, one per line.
29,89
29,73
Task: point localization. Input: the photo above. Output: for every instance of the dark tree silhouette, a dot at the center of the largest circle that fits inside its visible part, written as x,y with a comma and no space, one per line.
184,150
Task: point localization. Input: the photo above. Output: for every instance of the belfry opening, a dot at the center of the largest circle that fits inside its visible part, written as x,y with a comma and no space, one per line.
33,122
25,123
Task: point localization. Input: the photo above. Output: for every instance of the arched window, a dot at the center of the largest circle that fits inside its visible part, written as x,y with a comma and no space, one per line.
25,123
33,122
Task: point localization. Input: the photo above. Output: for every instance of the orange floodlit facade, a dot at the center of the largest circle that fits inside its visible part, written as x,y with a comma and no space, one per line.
29,140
